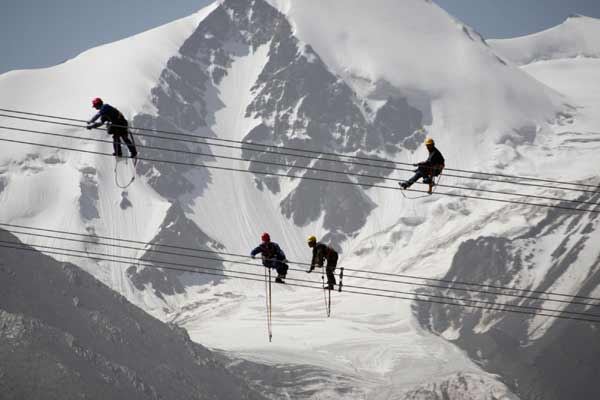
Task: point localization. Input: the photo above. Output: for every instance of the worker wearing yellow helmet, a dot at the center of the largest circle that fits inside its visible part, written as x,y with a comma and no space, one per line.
427,169
320,253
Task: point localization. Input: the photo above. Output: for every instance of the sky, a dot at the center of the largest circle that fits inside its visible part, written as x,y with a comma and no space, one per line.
42,33
497,19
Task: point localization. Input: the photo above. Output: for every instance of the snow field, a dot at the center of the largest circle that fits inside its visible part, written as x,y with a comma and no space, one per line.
477,105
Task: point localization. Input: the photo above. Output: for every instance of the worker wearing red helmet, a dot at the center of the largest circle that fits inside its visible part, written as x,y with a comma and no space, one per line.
116,126
272,256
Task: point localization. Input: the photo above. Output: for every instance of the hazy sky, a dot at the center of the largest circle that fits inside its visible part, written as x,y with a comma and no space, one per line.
510,18
38,33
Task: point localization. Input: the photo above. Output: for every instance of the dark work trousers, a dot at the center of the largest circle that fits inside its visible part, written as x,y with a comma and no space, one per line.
279,266
120,133
330,269
421,172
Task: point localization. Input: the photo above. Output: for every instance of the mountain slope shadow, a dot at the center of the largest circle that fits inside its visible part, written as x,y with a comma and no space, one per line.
538,357
64,335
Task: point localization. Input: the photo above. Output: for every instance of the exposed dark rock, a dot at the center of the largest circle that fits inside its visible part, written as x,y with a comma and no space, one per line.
299,101
89,194
3,183
179,231
125,203
552,362
64,335
461,386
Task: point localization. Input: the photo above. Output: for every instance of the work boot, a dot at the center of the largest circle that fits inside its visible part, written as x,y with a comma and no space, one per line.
404,185
279,280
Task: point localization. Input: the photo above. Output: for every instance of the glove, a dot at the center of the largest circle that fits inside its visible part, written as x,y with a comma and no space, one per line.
88,127
310,270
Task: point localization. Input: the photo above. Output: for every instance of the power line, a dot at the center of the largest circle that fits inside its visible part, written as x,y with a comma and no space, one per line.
563,314
476,301
475,307
307,177
92,152
133,259
464,283
476,291
314,151
97,243
452,282
341,172
308,168
317,156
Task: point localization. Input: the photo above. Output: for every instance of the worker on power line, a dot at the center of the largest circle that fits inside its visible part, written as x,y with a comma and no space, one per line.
272,256
427,169
116,126
320,253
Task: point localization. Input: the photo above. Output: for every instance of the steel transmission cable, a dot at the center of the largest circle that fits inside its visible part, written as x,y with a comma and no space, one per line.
377,273
314,151
135,260
169,253
267,150
563,314
306,177
245,147
278,164
307,168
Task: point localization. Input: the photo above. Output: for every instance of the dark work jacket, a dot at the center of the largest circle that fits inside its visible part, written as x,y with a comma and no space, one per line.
108,113
270,252
435,158
320,253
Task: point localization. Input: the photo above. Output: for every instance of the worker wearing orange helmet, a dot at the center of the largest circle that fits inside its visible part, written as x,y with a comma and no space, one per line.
429,168
321,252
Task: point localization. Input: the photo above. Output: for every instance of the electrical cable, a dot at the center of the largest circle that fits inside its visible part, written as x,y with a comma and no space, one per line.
266,149
394,275
306,177
120,246
498,307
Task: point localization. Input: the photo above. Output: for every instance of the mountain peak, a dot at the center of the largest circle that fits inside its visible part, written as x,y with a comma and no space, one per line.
579,19
575,37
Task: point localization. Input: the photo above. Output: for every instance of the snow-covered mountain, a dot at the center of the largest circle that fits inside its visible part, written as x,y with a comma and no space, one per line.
64,335
345,77
542,358
576,37
558,253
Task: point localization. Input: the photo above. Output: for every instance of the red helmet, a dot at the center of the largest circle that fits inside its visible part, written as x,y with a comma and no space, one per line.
97,102
265,237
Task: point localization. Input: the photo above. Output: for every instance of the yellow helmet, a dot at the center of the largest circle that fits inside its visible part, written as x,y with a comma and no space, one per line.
311,238
429,141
